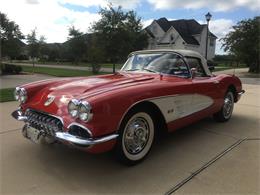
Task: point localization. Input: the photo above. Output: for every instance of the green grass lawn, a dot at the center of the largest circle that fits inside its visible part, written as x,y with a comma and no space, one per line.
7,95
58,71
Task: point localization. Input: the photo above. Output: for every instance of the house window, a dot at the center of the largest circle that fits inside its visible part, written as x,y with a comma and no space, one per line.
172,37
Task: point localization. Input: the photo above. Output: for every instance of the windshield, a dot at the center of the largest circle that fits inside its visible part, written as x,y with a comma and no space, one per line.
165,63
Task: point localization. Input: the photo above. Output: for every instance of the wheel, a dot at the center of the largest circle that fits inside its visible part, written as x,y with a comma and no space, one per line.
226,111
136,137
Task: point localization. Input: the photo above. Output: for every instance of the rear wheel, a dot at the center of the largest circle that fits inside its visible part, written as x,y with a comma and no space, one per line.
136,136
227,109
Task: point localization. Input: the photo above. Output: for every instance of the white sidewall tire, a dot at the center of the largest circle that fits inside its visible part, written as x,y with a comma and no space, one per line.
231,111
147,147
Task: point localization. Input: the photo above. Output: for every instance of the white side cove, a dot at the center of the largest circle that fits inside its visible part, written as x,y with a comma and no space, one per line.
178,106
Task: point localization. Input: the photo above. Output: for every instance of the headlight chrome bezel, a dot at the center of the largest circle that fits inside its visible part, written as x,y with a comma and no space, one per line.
81,110
85,111
73,112
20,94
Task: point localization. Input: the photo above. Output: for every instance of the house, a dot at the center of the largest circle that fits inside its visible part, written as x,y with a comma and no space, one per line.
181,34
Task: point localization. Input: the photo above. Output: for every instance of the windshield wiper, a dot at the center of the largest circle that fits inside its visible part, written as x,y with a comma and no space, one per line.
149,70
133,69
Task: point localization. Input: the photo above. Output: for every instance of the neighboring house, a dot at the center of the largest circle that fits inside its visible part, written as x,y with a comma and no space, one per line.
181,34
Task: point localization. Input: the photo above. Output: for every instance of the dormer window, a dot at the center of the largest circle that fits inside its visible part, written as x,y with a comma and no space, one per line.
172,37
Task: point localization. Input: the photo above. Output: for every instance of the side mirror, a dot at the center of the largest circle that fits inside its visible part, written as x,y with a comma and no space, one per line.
193,72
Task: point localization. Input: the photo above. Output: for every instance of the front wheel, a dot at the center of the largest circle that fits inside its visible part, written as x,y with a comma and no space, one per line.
136,136
227,109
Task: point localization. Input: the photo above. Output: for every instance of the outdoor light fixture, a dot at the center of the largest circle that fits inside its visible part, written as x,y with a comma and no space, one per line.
208,17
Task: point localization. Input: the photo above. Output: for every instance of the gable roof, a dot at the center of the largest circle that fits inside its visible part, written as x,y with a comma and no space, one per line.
186,28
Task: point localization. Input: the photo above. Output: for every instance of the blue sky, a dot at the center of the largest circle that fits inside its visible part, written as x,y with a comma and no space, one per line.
52,18
147,11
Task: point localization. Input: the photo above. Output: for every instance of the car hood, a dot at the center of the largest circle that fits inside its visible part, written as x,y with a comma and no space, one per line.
83,86
52,96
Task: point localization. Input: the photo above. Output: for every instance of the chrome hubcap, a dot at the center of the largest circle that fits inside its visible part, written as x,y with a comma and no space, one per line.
136,135
228,105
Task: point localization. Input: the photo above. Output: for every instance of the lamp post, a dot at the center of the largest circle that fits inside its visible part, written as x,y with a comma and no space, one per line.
208,17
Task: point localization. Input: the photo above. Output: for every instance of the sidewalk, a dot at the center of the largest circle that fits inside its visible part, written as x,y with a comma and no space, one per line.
10,81
103,69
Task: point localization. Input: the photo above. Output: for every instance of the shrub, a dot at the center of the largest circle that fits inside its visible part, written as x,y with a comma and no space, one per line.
10,69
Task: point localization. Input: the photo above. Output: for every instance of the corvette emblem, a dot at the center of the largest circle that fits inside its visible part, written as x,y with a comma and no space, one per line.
49,100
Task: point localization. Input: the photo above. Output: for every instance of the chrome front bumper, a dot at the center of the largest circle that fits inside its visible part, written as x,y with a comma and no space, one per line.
65,136
239,94
82,141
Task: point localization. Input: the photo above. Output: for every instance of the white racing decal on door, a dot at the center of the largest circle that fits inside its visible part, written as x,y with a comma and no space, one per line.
179,106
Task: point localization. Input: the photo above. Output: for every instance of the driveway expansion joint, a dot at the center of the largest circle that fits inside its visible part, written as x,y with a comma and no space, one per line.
206,165
9,131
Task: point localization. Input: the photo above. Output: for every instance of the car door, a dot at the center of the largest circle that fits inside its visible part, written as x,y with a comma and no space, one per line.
205,87
177,104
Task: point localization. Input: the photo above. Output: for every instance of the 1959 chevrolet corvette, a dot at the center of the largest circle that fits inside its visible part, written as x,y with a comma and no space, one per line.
155,90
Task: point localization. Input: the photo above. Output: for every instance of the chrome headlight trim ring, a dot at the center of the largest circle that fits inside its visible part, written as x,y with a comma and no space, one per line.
20,94
85,111
73,107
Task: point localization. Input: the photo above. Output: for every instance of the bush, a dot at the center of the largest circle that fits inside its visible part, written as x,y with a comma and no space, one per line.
10,69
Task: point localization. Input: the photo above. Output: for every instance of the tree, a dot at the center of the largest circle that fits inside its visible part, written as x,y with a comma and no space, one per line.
77,44
95,53
119,33
11,36
243,43
33,46
43,48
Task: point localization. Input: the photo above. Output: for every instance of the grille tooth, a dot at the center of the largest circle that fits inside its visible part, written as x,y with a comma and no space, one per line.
41,121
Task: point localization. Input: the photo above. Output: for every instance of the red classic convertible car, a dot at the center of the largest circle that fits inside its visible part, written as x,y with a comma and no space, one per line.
155,90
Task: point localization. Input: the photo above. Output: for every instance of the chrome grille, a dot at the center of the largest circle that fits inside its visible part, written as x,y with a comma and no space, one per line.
44,122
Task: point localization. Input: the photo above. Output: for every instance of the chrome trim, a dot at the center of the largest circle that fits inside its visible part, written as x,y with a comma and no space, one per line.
81,126
18,115
20,91
76,103
58,117
88,108
81,141
241,92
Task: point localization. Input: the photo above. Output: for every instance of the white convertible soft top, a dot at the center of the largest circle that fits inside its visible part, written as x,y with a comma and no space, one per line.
184,53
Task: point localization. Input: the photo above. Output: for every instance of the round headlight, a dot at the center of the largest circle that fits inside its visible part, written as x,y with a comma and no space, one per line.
73,107
20,94
85,111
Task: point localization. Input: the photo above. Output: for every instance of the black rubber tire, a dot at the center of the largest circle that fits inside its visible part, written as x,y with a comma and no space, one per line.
120,154
219,116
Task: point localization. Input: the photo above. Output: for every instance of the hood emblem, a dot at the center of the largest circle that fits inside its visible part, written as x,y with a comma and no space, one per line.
49,100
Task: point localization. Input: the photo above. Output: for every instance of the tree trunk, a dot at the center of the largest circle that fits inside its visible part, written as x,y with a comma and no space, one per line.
33,66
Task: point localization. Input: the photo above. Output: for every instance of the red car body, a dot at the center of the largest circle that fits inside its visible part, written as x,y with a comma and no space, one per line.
112,96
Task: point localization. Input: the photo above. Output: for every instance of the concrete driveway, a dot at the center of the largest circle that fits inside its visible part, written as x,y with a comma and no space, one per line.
204,158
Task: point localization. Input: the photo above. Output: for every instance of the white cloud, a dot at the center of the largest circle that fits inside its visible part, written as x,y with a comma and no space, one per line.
220,28
127,4
147,22
219,5
51,19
